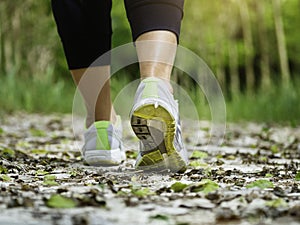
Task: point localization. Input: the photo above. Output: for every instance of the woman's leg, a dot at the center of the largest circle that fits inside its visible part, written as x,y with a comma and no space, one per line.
85,31
155,116
155,28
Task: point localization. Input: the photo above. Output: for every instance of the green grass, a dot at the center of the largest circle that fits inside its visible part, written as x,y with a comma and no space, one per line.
35,94
45,95
277,104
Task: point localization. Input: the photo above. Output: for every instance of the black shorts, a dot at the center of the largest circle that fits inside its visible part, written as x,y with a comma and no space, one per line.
85,26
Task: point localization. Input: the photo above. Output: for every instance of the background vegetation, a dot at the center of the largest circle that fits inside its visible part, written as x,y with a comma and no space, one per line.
251,46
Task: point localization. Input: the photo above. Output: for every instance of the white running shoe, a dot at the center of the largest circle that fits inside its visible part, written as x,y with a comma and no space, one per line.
155,121
103,144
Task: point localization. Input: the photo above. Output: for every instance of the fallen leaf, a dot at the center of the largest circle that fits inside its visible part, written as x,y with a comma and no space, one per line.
49,180
206,186
7,153
141,192
276,203
199,155
160,217
197,164
4,177
37,133
3,169
297,177
41,172
39,151
58,201
178,186
262,184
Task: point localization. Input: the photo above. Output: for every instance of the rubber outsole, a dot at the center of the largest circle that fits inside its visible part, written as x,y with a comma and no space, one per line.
104,157
155,127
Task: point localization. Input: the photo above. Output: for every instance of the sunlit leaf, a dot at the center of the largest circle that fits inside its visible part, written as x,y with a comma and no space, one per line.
206,186
3,169
73,173
41,172
198,163
276,203
231,157
49,180
58,201
199,155
274,149
39,151
268,175
178,186
4,177
37,133
262,184
142,192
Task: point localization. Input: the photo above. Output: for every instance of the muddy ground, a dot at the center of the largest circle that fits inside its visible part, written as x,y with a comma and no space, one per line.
253,178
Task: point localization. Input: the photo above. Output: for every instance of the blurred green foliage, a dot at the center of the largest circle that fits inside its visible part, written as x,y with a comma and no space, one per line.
243,42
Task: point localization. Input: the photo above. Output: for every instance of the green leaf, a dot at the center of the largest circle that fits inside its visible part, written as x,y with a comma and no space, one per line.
268,175
3,169
122,193
58,201
141,192
37,133
178,186
1,131
4,177
131,154
219,156
160,217
197,164
263,159
199,155
262,184
73,173
231,157
49,177
8,153
39,151
206,186
41,172
297,177
276,203
274,149
49,180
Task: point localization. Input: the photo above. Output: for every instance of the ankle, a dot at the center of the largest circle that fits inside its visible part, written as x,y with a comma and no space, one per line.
166,80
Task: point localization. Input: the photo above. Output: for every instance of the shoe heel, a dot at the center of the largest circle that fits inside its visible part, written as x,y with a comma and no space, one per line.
155,128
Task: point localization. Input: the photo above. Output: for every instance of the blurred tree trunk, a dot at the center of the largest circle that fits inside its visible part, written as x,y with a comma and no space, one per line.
2,53
232,49
233,65
263,43
2,43
248,43
284,67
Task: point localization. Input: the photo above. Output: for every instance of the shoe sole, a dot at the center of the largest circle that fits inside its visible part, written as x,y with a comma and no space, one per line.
112,157
155,127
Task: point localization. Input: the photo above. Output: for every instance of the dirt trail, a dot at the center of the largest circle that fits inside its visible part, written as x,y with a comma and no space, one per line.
253,178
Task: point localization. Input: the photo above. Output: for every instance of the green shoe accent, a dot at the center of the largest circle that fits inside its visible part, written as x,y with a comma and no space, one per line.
151,90
102,140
